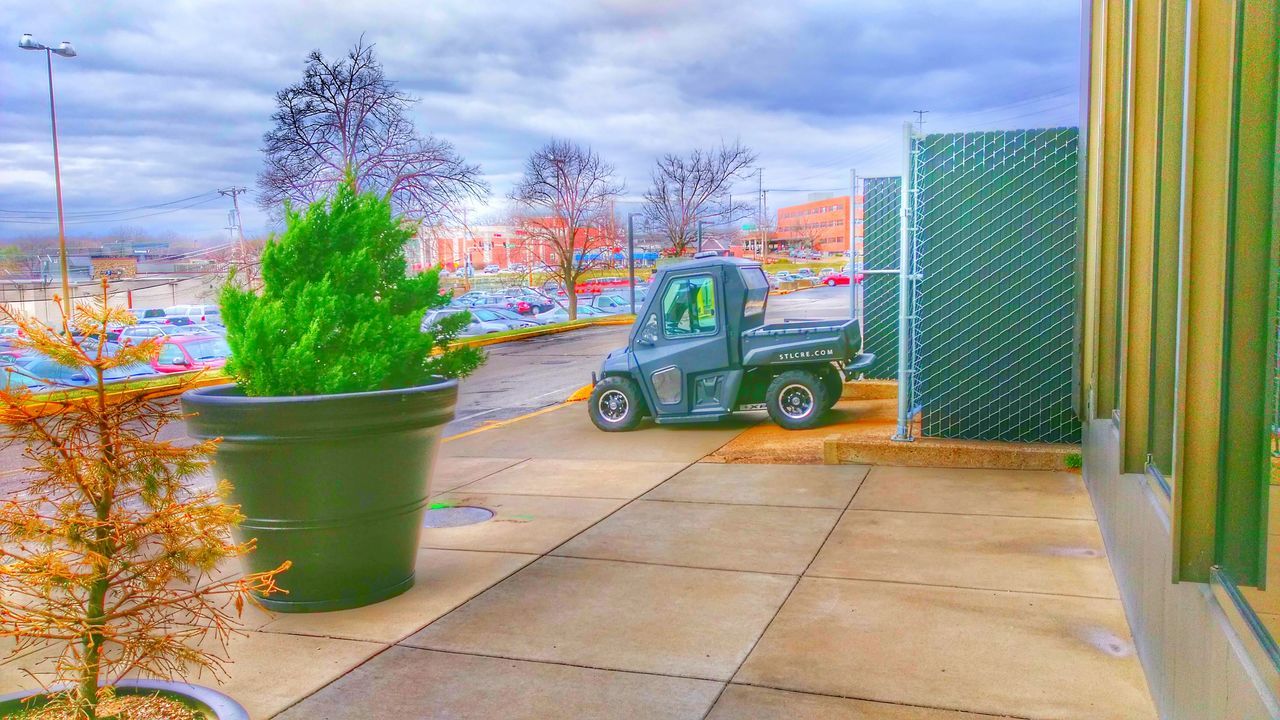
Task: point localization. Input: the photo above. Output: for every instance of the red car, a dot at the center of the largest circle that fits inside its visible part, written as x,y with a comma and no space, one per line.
182,353
840,279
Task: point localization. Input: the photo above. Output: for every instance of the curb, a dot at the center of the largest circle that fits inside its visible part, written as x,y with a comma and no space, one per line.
46,405
543,331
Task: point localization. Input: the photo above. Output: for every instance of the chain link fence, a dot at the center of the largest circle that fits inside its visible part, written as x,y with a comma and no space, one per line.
994,222
881,208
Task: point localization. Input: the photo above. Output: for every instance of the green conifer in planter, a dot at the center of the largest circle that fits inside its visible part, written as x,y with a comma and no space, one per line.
330,432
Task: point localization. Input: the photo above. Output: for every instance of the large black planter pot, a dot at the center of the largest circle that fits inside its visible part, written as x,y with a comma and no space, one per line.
207,701
336,484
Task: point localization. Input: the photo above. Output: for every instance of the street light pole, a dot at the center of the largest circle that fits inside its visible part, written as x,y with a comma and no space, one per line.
631,258
65,50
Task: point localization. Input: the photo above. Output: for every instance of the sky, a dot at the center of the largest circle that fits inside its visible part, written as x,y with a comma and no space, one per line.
167,102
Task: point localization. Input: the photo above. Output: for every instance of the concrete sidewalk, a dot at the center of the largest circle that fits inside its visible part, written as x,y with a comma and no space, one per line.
622,578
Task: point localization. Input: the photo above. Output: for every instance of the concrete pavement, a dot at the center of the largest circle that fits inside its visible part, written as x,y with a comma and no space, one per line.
622,578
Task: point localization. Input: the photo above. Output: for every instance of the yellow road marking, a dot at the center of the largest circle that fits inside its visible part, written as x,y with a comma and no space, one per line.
504,423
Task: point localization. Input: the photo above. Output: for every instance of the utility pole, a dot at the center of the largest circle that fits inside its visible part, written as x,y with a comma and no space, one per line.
760,215
238,239
920,119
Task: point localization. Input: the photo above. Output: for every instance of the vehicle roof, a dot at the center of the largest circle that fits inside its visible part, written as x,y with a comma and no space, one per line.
698,263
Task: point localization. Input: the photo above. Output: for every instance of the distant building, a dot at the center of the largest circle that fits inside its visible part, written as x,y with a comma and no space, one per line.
821,225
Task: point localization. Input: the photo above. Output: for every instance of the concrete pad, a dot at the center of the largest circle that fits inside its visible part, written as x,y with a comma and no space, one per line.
725,537
744,702
271,671
454,472
566,432
521,523
779,485
445,580
1046,555
1022,654
768,444
410,683
617,616
578,478
1029,493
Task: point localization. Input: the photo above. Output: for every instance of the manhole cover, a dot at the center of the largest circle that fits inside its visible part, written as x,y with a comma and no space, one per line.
455,516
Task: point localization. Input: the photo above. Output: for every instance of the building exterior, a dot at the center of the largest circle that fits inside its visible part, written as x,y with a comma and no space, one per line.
821,225
1177,338
501,245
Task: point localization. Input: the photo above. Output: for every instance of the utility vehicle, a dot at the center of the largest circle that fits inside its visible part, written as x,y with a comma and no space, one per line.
700,350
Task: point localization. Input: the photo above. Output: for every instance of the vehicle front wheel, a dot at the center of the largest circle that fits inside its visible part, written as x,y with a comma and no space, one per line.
831,283
615,404
796,399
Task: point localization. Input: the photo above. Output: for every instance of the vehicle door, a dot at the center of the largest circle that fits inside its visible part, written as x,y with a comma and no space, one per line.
171,359
681,346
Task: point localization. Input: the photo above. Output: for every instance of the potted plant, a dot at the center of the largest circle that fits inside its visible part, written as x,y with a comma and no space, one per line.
111,553
330,432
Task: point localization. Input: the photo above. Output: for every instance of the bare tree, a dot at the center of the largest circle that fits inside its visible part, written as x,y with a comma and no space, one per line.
564,200
688,189
346,116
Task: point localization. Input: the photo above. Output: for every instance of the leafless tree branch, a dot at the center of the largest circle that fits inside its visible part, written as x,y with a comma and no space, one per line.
345,114
696,187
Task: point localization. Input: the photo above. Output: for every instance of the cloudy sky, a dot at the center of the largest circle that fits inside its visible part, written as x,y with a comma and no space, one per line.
169,100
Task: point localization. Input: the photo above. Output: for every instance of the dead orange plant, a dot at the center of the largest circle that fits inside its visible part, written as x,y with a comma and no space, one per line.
111,552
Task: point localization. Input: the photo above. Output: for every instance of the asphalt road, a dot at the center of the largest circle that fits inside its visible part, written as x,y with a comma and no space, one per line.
524,376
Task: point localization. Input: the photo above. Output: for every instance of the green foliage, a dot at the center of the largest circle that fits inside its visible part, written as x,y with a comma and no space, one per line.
1073,461
336,312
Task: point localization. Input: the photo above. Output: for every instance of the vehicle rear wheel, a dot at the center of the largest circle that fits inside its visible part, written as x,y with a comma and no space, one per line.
615,404
833,383
796,399
831,283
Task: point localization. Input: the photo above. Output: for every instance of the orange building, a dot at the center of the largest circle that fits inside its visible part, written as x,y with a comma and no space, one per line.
821,225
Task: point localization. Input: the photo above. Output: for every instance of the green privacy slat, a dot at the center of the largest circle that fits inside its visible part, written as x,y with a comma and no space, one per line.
995,234
882,198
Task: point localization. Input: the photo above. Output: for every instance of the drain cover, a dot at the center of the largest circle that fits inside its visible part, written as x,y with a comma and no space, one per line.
455,516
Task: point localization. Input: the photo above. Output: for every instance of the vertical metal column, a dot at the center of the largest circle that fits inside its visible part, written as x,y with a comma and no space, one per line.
905,295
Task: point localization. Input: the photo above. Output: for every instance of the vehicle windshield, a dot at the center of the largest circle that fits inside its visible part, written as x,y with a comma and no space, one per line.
209,349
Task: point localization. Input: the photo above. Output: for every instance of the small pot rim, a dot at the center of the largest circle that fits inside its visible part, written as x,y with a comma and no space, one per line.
217,394
223,706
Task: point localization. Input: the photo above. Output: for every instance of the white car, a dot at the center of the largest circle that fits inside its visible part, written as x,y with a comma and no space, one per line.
561,314
193,314
491,270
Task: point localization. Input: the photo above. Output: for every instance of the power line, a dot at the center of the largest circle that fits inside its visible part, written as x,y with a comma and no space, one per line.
35,214
102,220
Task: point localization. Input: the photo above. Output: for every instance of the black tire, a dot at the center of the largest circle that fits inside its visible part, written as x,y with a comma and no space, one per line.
833,383
615,404
831,283
796,399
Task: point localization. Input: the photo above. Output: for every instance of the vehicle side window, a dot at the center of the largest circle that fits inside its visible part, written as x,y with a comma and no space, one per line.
171,355
689,307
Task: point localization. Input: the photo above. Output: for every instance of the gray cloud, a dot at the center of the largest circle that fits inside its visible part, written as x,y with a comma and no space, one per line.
170,100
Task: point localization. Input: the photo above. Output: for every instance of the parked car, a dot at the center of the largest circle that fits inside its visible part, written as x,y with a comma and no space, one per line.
491,270
205,329
601,284
137,333
149,315
189,314
608,304
49,373
835,279
509,319
474,328
561,314
508,301
181,353
804,273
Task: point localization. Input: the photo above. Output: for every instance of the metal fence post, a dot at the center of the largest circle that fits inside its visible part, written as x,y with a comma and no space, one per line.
905,270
